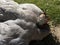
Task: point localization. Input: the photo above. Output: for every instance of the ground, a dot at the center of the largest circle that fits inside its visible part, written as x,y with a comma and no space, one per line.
52,39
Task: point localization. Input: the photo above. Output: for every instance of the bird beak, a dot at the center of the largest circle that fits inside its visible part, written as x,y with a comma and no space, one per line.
45,17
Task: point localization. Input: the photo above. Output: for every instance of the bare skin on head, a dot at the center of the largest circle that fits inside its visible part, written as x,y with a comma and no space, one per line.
19,22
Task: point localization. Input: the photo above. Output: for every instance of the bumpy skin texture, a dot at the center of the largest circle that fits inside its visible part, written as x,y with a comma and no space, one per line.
18,25
29,6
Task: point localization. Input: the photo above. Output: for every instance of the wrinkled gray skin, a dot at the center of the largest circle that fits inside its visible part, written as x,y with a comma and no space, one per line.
32,7
18,24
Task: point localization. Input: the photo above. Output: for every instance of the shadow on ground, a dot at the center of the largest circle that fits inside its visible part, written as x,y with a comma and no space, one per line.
49,40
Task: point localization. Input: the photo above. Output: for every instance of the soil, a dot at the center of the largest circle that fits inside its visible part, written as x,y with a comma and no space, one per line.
52,39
